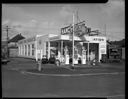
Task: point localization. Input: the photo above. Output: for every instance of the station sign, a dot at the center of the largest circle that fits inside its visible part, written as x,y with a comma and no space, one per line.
99,39
79,29
102,48
95,39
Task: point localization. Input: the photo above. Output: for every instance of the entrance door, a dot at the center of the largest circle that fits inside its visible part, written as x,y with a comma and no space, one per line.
95,48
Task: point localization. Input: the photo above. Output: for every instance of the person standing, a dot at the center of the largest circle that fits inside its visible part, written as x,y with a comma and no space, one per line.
92,57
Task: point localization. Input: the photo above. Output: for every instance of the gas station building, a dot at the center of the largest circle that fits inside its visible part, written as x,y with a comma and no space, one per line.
61,45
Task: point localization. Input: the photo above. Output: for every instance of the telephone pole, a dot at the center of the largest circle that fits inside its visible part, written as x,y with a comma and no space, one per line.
105,30
73,43
7,29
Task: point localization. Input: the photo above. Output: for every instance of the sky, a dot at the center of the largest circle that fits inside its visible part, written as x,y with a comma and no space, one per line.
33,19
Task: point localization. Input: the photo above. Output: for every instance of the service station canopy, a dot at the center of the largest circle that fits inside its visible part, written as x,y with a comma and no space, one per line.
90,39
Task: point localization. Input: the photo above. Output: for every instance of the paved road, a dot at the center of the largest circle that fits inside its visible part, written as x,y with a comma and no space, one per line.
15,83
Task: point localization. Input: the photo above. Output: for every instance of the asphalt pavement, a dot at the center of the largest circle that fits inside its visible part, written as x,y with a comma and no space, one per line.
20,78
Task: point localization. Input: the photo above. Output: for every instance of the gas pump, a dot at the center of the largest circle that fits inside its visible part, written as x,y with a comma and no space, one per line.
75,55
83,55
66,53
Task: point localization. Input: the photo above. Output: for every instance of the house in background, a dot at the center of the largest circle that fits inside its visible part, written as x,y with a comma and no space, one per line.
12,45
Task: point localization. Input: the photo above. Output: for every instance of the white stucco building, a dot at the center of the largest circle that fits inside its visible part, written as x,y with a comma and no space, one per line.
45,45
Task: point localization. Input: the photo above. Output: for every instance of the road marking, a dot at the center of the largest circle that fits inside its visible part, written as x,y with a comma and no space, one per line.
68,75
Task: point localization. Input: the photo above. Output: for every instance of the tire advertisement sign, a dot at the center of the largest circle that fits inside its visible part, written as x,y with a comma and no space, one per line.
102,48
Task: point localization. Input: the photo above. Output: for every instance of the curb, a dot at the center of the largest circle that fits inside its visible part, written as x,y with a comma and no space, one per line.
71,75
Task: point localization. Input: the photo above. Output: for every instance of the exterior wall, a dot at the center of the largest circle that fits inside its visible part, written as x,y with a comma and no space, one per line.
13,52
25,48
40,43
27,52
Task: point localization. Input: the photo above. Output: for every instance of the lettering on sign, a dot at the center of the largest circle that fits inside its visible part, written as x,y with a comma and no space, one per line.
79,29
66,30
98,39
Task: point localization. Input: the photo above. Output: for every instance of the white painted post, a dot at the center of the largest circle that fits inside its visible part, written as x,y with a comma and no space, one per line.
88,51
61,50
19,49
48,49
24,50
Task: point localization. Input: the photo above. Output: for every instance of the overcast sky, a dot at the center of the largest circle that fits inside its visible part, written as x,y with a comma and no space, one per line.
32,19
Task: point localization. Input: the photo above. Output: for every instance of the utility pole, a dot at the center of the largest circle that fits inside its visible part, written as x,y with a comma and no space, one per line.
73,43
7,29
105,30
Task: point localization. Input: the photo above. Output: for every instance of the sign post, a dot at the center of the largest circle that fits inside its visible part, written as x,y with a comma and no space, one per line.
73,43
88,51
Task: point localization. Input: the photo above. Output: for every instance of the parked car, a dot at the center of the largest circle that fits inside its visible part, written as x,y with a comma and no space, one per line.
4,58
5,61
52,60
44,60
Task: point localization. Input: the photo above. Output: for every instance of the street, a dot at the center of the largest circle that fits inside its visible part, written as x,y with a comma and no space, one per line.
21,79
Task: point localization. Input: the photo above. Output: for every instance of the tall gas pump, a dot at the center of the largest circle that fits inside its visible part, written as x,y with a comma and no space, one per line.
66,53
84,55
75,55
